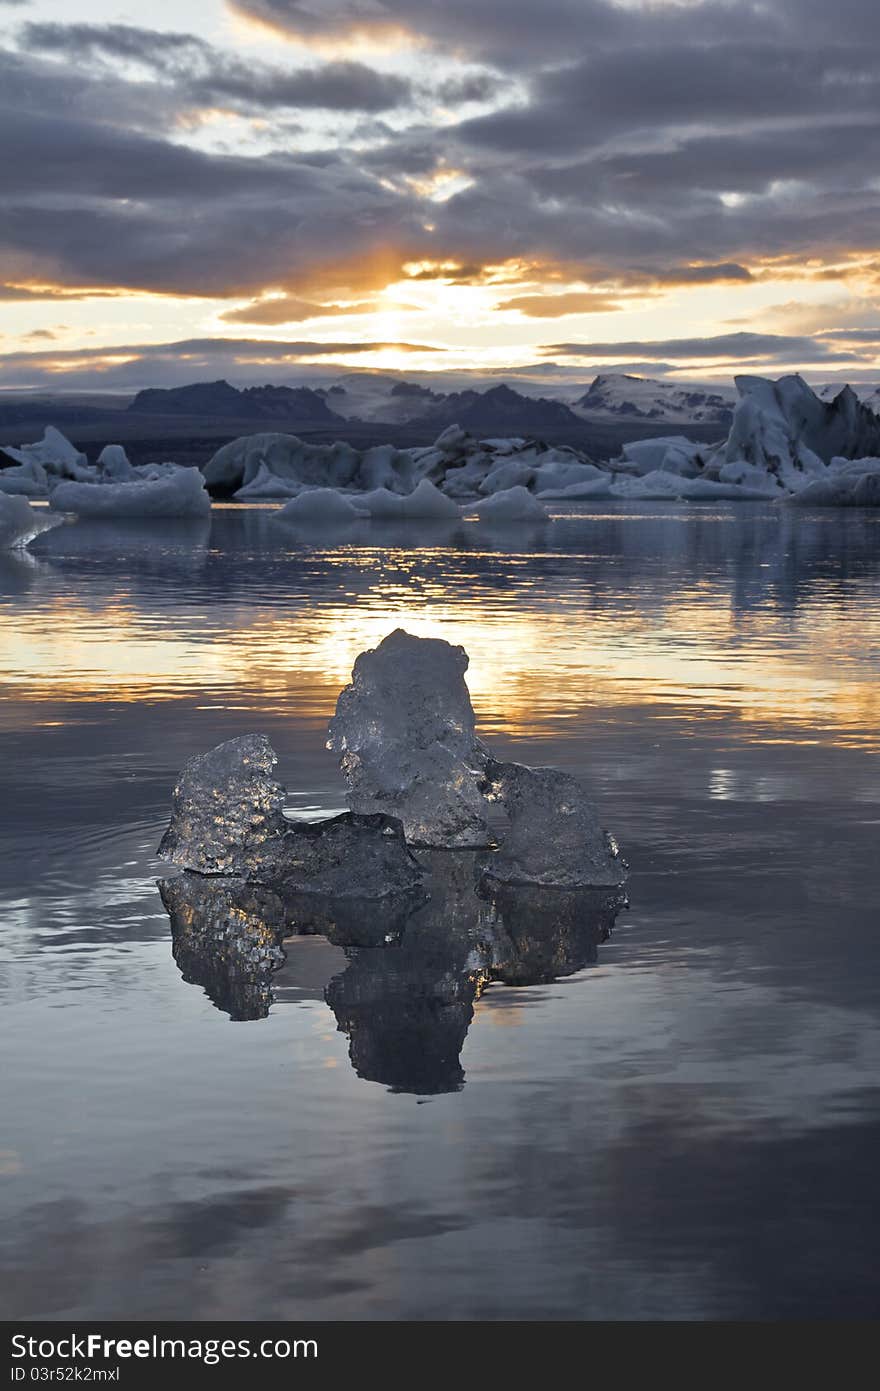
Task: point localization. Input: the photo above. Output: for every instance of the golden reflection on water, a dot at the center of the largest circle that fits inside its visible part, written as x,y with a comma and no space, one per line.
539,657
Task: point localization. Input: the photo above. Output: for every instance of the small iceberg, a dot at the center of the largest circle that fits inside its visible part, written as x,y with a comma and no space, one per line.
181,493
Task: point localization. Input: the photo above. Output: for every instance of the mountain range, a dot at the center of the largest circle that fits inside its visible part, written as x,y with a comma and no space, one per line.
500,409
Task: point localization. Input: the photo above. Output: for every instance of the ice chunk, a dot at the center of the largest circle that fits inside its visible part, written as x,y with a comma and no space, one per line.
599,487
227,808
347,856
553,836
55,454
267,484
25,480
405,731
670,453
510,505
847,483
295,465
20,523
227,819
114,464
321,507
425,502
178,494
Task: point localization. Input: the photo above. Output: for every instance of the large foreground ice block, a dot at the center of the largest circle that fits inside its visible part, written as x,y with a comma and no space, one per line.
553,837
347,856
405,731
227,819
227,809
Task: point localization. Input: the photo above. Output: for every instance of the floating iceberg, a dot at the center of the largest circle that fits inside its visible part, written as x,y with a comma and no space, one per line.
458,465
55,454
786,429
784,440
25,480
295,465
177,494
846,483
227,820
405,731
20,523
510,505
667,454
661,486
553,836
321,506
267,485
114,465
425,502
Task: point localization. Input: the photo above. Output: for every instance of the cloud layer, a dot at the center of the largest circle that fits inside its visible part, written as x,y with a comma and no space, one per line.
609,150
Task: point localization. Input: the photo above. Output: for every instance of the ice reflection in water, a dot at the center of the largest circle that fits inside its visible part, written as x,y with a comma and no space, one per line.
414,967
687,1128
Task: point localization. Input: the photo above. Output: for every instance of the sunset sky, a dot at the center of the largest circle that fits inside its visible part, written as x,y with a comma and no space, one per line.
250,188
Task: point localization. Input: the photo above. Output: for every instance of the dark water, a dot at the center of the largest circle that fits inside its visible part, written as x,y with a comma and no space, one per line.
680,1120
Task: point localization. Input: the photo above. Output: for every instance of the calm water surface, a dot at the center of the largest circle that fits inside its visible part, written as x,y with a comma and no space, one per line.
680,1121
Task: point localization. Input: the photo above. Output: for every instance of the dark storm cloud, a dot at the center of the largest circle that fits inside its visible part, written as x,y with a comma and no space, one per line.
518,34
89,203
746,347
203,75
669,144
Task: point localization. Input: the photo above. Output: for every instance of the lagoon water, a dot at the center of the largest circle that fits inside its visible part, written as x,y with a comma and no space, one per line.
685,1124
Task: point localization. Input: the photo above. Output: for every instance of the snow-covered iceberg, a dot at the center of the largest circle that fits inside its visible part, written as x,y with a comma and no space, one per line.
20,523
784,441
254,465
321,507
846,483
25,480
180,493
510,505
425,503
457,464
54,454
53,460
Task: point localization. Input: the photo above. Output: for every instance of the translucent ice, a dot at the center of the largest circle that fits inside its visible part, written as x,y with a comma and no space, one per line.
405,731
227,819
553,837
347,856
226,809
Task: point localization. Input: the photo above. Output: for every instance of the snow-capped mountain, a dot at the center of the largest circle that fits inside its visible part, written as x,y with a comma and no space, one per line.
867,393
640,398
